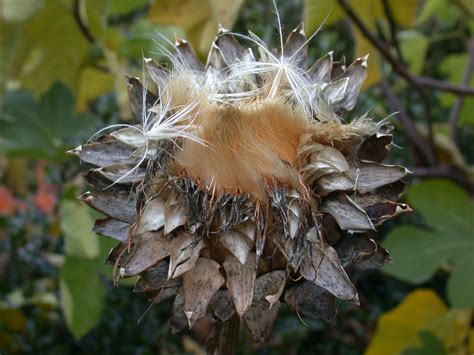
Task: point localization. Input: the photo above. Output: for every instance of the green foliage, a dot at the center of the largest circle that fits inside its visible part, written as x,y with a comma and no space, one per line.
82,294
78,241
452,67
414,46
39,130
431,344
419,253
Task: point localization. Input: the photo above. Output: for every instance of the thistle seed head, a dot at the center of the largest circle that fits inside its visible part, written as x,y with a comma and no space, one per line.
243,188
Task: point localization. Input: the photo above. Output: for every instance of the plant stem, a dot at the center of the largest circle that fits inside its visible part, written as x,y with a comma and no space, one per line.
227,337
397,66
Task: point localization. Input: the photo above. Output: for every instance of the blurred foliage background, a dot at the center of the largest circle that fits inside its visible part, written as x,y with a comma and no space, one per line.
62,68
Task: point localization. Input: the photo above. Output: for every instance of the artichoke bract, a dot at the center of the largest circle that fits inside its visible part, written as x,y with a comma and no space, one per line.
243,187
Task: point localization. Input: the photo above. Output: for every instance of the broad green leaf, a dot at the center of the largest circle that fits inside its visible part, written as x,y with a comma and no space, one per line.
413,46
39,130
418,253
444,10
431,344
81,294
453,66
19,10
9,36
95,14
123,7
76,222
316,11
405,327
93,83
51,48
197,18
460,289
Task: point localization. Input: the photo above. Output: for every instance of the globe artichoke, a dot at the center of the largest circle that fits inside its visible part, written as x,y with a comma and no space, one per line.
243,187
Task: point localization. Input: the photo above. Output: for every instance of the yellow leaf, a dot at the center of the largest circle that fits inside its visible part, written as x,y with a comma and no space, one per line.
197,18
470,347
315,11
422,310
93,83
404,12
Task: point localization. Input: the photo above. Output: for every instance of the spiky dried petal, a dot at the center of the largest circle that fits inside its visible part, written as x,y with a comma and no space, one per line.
260,318
369,175
199,286
115,204
147,249
241,281
237,243
312,300
156,278
322,267
355,249
222,305
112,228
174,216
320,72
153,216
379,259
184,252
348,214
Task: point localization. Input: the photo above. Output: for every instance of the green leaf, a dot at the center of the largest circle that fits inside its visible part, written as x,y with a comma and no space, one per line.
316,11
403,329
39,130
453,66
123,7
444,10
82,294
52,48
413,45
431,344
76,222
418,253
197,18
9,35
19,11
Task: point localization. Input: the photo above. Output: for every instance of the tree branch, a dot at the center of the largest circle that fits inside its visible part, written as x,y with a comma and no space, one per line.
82,26
397,66
456,109
446,172
408,124
393,29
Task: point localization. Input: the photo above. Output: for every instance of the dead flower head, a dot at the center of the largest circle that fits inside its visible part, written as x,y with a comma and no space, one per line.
243,188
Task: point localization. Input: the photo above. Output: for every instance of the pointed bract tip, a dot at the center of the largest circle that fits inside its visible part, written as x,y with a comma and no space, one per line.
178,41
76,151
221,29
300,29
356,299
189,316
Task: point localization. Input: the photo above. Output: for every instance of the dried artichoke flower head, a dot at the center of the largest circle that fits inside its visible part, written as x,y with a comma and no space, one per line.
243,188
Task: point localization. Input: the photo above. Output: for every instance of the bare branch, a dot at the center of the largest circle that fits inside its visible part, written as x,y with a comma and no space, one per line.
82,26
393,28
456,109
408,124
446,172
397,66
